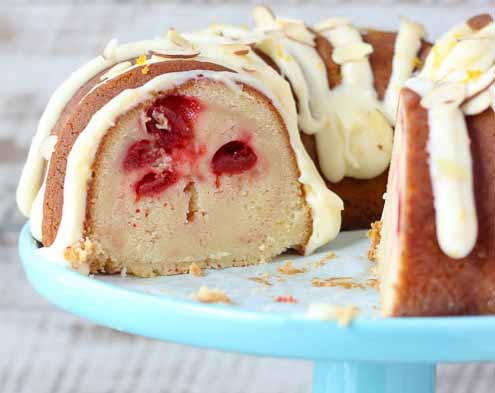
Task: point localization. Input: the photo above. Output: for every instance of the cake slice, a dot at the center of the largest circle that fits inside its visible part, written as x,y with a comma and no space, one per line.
186,154
435,244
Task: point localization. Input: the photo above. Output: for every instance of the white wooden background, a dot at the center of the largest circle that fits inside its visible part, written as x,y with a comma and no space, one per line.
43,349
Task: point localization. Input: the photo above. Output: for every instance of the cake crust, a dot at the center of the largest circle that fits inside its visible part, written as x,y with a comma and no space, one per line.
430,282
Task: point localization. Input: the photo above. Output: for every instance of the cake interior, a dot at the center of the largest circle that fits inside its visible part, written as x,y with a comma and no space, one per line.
190,176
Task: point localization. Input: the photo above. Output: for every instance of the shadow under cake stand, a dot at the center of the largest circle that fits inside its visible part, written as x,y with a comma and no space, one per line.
372,355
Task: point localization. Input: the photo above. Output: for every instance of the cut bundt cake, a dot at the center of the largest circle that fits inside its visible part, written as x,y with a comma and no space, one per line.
163,153
435,244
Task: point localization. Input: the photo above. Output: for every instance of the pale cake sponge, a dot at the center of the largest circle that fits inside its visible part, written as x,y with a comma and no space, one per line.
215,220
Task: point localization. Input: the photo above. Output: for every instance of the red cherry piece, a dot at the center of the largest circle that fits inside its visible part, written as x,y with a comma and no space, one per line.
154,183
140,154
171,120
232,158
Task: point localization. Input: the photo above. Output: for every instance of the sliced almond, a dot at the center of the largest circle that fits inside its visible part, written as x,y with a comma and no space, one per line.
331,23
48,146
448,93
263,16
109,53
176,53
478,104
179,39
250,70
418,28
298,32
237,49
351,52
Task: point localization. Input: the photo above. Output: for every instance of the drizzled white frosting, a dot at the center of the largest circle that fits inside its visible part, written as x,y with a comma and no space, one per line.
407,45
457,80
358,141
353,136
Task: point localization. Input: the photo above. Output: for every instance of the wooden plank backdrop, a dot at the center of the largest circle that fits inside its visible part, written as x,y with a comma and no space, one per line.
45,350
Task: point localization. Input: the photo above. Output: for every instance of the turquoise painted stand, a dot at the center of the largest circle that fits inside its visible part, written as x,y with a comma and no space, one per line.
371,356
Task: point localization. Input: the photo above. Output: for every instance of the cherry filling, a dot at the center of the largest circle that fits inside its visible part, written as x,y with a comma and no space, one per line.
171,120
154,183
232,158
140,154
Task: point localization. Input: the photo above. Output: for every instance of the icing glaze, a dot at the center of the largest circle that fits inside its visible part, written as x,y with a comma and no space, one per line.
457,80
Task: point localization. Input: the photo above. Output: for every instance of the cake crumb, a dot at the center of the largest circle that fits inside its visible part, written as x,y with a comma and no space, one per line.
344,315
123,272
373,283
213,295
280,279
195,270
86,256
289,269
344,282
328,257
264,279
285,299
374,234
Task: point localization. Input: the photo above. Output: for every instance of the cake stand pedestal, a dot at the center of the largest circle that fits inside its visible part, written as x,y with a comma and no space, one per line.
373,355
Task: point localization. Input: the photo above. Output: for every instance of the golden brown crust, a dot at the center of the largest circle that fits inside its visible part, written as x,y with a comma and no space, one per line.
363,199
431,283
479,21
76,116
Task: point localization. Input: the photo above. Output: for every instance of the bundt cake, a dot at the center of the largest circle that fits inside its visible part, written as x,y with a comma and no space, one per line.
163,153
145,152
435,244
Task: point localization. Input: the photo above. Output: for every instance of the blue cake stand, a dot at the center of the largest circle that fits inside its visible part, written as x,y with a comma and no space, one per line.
372,355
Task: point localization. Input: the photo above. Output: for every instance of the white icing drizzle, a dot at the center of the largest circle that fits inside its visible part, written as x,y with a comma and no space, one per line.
325,205
358,142
457,80
353,136
407,45
451,170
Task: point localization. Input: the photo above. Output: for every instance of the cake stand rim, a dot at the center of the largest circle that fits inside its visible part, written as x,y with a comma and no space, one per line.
407,340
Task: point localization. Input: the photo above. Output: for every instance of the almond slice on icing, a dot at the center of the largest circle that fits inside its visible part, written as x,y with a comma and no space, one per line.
109,52
176,53
418,28
298,32
178,39
351,52
477,104
48,146
237,49
249,70
448,93
331,23
263,16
